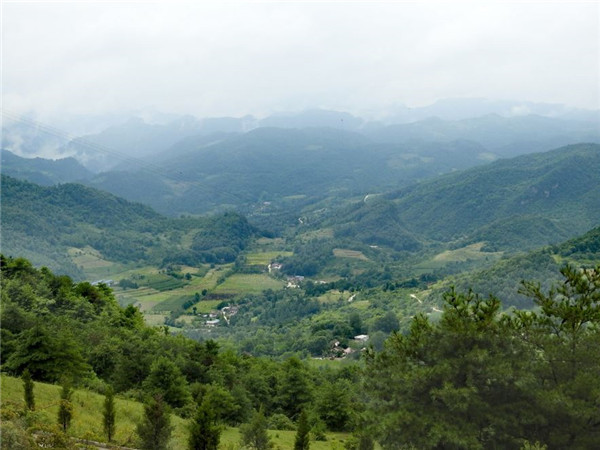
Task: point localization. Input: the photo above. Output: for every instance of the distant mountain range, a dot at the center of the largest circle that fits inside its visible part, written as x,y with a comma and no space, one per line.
113,139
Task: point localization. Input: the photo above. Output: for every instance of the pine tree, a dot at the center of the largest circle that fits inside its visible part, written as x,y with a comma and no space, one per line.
65,409
254,434
166,378
155,428
205,434
109,414
302,441
28,390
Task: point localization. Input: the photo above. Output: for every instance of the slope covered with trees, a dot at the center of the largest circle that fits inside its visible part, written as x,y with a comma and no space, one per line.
517,203
44,223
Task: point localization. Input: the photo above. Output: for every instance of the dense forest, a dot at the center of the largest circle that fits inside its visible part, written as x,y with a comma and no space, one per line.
477,378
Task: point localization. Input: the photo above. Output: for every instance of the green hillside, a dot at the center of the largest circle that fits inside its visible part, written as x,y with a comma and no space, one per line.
504,278
517,203
270,168
43,171
60,226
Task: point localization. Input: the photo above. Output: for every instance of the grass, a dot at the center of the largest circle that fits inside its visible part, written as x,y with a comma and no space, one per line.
204,306
264,258
469,253
334,295
92,263
87,419
472,251
147,298
87,412
172,303
155,319
247,284
359,304
323,233
345,253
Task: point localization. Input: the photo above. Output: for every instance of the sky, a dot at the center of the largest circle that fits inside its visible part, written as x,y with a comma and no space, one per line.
236,58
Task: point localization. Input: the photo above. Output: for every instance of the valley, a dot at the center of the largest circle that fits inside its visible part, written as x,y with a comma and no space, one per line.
314,263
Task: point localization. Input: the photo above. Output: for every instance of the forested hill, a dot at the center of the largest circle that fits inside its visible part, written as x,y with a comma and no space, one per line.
43,171
543,264
286,167
517,203
47,224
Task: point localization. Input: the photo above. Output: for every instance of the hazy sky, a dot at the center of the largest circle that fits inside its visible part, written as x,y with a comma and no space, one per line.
236,58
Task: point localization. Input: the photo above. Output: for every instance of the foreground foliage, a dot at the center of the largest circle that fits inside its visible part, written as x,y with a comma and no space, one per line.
479,379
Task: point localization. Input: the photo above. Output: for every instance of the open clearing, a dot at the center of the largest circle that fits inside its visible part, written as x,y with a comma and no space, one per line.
87,419
264,258
472,251
92,263
345,253
334,295
240,283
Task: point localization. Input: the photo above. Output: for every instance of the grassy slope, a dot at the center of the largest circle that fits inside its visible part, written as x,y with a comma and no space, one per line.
87,418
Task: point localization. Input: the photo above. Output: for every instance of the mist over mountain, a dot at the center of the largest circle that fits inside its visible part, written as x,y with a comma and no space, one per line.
43,171
104,141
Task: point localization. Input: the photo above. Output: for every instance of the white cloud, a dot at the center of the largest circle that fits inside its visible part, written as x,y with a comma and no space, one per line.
237,58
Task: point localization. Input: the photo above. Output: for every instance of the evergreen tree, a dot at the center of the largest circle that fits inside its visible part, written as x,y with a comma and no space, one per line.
108,414
28,390
65,409
254,434
166,378
302,441
295,389
48,355
155,428
205,433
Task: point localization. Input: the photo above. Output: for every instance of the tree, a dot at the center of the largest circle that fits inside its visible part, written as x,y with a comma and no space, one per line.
254,434
464,382
205,433
388,323
108,414
295,389
28,390
166,379
302,440
355,323
155,428
566,332
47,355
334,404
65,409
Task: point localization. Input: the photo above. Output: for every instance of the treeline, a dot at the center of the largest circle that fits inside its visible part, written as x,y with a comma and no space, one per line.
55,328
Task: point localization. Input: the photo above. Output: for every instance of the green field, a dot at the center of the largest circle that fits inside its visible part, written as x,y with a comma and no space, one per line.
93,265
468,253
334,295
87,419
147,298
345,253
264,258
247,284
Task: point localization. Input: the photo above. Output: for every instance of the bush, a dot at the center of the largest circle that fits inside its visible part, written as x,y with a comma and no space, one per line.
280,422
